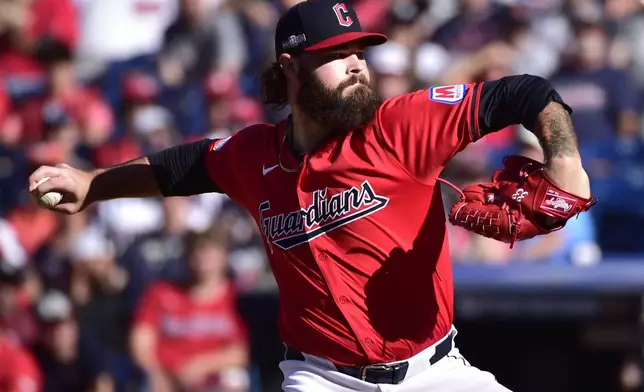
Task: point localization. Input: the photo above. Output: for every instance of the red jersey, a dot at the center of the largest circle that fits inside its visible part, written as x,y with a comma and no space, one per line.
357,236
187,328
19,371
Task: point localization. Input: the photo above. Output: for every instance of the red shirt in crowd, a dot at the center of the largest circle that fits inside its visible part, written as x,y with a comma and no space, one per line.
84,106
46,18
356,235
19,322
19,371
186,327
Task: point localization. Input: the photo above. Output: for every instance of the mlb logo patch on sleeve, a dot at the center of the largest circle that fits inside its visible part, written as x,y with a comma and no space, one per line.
448,94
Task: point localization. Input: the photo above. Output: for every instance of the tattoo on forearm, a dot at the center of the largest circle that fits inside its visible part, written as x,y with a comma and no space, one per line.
555,132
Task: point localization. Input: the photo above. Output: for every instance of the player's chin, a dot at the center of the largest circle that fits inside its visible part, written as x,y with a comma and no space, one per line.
355,89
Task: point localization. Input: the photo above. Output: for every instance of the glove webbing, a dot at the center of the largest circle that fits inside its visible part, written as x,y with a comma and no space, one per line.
515,225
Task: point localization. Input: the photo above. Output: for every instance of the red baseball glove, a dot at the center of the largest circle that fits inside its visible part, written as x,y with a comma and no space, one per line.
520,203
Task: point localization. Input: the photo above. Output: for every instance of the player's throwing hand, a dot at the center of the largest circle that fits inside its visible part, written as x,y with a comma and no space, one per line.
73,184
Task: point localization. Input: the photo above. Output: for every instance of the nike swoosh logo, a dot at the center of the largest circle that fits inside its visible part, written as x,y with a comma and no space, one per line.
266,170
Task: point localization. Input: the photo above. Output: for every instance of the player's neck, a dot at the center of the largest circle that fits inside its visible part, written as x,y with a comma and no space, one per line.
306,133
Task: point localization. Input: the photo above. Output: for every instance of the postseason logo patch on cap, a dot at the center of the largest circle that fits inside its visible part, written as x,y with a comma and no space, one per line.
293,41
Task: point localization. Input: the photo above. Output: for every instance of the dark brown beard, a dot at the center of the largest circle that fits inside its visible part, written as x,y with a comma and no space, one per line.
335,112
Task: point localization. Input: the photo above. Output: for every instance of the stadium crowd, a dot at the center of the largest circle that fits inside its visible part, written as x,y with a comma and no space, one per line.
139,295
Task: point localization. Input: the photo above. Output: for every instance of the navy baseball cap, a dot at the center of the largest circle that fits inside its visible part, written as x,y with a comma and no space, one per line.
320,24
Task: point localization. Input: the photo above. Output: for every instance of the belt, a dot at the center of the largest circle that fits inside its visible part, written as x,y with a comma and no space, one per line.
381,373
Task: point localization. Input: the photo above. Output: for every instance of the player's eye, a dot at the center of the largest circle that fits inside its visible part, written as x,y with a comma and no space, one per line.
344,55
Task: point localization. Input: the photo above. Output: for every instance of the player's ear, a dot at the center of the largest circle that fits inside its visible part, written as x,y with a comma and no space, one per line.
289,66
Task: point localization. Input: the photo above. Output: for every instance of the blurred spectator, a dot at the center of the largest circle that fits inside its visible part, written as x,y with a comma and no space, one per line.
12,255
97,290
393,72
15,304
118,37
53,264
158,254
478,23
247,256
603,98
52,260
154,130
616,168
140,90
189,337
70,359
96,284
13,162
221,88
124,220
628,18
19,371
259,19
204,38
245,111
200,41
27,28
114,32
33,226
64,99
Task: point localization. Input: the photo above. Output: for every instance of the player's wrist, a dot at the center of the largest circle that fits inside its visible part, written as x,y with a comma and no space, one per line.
93,186
564,163
569,174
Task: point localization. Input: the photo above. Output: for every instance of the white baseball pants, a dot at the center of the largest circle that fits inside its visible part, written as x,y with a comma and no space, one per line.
451,374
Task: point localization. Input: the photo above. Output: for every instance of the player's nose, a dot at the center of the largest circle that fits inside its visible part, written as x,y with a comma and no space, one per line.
355,65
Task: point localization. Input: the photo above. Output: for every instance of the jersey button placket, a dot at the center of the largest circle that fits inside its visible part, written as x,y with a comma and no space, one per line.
344,300
323,256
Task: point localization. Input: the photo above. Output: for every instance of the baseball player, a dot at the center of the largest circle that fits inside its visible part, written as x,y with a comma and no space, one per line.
345,193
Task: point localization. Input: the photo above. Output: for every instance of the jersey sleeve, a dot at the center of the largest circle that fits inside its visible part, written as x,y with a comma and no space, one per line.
426,128
226,160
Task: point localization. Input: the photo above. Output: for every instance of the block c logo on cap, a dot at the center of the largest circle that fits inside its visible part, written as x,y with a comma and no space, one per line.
342,13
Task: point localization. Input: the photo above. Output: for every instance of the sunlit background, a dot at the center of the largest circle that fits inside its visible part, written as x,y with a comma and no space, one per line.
92,302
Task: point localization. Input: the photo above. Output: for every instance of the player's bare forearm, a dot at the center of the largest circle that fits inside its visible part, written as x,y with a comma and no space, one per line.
556,134
561,152
134,178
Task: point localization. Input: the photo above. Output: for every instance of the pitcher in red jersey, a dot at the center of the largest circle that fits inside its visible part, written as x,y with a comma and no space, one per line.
345,193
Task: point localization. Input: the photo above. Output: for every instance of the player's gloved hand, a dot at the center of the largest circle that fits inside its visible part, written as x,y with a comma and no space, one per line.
520,203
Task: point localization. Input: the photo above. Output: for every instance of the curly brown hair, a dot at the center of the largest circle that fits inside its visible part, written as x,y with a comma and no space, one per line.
273,87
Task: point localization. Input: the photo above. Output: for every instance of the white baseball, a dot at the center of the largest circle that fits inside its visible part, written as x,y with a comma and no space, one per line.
49,199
